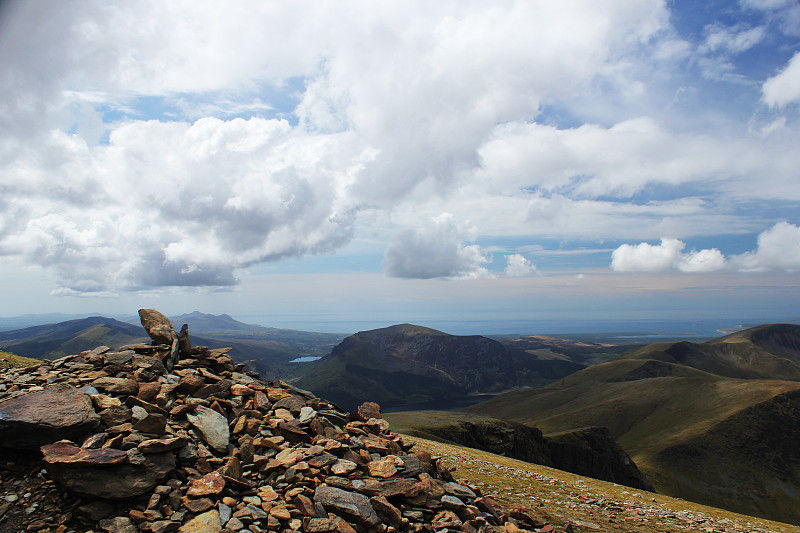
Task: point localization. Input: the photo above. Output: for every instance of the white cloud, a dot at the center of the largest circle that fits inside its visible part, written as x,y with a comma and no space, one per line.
664,257
646,257
778,249
518,266
765,5
708,260
734,39
435,250
180,204
784,88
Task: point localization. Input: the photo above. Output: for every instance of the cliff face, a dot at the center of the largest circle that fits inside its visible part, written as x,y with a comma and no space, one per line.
590,452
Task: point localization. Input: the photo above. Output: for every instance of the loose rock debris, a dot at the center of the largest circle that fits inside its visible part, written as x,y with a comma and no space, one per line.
168,437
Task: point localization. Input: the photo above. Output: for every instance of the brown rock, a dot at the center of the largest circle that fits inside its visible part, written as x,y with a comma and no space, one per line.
304,505
211,483
369,410
153,424
280,512
197,506
62,453
318,525
386,511
37,418
148,390
161,445
207,522
260,401
383,468
157,326
114,481
115,415
292,433
118,524
116,385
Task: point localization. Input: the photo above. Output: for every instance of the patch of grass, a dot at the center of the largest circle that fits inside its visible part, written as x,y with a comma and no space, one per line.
589,505
9,360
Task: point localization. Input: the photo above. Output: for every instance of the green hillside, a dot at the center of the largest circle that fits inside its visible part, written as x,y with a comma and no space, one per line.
691,416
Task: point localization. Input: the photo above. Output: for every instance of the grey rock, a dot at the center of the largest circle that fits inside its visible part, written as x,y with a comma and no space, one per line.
118,524
456,489
352,504
213,427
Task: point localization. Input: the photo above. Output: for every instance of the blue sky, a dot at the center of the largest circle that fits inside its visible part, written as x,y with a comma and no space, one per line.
402,161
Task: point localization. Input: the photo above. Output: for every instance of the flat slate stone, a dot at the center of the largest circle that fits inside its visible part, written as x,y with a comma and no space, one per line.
61,453
116,481
207,522
212,426
354,505
59,412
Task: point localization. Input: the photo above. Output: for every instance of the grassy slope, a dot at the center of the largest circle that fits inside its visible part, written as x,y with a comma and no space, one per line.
587,504
10,360
647,416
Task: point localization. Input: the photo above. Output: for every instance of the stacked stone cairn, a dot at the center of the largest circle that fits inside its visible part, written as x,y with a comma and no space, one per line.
170,437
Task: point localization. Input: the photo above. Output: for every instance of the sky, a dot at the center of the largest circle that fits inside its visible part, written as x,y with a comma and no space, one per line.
413,161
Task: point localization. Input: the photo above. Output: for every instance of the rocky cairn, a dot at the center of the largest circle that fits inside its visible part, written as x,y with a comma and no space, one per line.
170,437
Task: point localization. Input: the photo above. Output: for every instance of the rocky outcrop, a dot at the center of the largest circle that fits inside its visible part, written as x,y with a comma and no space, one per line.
593,452
207,447
590,452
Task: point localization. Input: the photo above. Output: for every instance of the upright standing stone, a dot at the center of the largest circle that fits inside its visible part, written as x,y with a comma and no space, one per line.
157,326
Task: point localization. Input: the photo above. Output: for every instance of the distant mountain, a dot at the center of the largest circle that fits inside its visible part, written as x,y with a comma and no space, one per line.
406,364
206,323
8,323
267,351
70,337
715,422
770,351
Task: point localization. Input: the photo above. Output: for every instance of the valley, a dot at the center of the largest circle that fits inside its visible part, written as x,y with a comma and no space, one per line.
714,422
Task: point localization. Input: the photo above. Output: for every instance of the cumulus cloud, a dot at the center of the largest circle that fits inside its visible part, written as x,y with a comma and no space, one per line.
180,204
668,255
784,88
778,249
708,260
185,199
646,257
518,266
435,250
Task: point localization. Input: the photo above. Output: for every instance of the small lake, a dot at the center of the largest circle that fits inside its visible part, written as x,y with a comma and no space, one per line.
306,359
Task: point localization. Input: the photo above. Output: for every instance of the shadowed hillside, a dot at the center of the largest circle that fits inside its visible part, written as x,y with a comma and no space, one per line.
406,364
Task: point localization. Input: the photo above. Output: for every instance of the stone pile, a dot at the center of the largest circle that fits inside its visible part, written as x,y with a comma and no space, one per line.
170,437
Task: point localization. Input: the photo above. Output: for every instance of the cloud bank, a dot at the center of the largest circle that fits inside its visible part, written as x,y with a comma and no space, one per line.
142,148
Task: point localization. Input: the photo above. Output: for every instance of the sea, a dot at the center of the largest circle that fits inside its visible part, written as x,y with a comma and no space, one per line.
629,330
